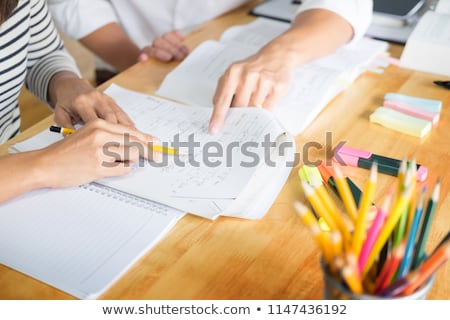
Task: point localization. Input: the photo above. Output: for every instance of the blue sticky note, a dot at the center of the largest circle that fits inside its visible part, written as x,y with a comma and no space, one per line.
422,103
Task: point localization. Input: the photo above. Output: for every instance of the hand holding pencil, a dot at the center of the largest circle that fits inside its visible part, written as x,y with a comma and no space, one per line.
95,151
153,144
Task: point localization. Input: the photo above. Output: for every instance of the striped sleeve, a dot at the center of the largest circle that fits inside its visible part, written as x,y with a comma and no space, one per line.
46,53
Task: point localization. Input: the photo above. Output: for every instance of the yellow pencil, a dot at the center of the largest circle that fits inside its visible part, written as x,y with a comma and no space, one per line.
311,222
401,175
61,130
336,243
306,215
402,225
366,201
305,173
412,207
318,205
352,280
163,149
154,147
327,249
345,193
331,208
386,231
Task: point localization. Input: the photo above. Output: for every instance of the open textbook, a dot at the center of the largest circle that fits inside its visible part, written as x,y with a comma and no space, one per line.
313,84
237,173
428,47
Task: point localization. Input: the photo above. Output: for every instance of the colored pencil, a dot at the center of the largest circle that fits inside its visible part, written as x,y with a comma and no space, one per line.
318,205
387,229
409,250
345,192
429,266
374,230
419,252
396,258
311,222
330,206
363,210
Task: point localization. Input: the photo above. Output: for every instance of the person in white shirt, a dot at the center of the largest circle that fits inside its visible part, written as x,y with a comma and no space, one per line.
124,32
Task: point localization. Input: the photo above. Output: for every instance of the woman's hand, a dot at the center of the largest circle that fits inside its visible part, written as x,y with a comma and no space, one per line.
75,100
99,149
258,81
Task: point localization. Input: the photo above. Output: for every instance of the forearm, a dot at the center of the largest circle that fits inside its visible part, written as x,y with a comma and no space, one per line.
27,175
112,45
313,34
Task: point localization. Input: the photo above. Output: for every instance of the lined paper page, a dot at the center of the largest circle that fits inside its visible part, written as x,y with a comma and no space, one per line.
79,240
199,186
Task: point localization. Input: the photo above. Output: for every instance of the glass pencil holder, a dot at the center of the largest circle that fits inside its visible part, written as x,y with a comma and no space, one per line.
335,289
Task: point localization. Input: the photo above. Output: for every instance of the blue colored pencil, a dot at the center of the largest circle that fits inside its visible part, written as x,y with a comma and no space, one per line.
409,250
419,252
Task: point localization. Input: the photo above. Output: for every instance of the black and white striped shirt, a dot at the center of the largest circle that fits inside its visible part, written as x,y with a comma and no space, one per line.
31,52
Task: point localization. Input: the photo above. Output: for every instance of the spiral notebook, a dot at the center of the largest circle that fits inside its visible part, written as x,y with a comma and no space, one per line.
80,240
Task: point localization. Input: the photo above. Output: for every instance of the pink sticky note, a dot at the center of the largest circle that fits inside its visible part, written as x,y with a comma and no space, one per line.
408,109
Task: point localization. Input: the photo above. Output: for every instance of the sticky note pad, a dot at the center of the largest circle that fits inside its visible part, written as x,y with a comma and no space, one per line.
425,104
401,122
412,110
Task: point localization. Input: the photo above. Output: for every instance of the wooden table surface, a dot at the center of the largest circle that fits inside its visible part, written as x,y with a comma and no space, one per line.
275,257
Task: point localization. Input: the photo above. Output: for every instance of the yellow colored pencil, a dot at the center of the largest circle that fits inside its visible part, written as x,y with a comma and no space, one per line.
345,193
412,207
387,229
62,130
305,173
401,175
366,201
331,208
306,215
163,149
327,250
318,205
336,243
311,222
154,147
352,280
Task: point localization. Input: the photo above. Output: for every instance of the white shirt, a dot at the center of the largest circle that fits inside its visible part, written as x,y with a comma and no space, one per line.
143,20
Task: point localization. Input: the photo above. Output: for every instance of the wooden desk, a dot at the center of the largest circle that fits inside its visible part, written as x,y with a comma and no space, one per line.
275,257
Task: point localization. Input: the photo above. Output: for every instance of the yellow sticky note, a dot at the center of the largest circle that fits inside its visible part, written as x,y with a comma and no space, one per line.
401,122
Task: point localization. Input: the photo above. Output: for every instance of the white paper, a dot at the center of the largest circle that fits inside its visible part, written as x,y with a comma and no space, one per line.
201,184
79,240
312,87
443,6
198,186
428,47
